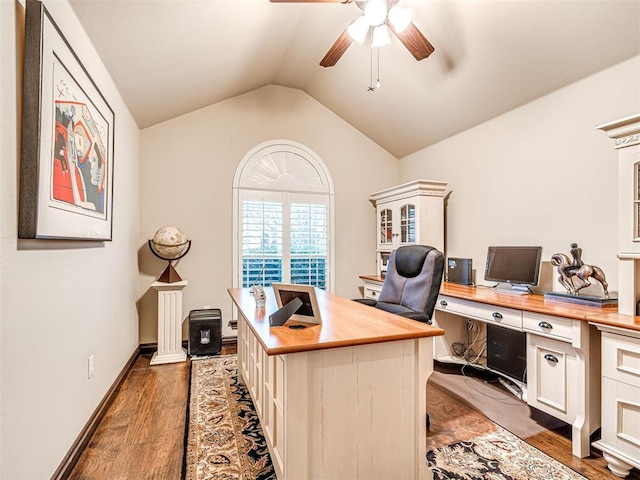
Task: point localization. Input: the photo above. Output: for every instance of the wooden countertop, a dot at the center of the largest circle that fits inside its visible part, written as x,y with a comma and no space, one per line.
538,304
372,278
345,323
630,322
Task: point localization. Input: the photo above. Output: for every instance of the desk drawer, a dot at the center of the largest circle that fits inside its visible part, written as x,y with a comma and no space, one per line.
372,291
506,317
621,358
547,325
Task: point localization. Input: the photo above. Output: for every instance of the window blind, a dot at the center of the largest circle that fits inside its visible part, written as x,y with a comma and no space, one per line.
284,242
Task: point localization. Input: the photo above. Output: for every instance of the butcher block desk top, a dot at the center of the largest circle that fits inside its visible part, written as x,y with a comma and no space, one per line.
537,303
345,323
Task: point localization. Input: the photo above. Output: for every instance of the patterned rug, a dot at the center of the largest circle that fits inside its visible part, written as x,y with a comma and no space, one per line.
499,455
224,438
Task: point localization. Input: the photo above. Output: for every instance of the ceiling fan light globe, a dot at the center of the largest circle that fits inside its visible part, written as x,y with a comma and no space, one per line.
358,30
380,36
400,18
375,11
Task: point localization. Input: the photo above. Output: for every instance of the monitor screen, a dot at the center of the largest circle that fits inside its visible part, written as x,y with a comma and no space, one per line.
515,265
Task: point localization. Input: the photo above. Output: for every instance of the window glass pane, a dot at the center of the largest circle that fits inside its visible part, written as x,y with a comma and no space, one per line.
261,242
308,240
408,223
386,226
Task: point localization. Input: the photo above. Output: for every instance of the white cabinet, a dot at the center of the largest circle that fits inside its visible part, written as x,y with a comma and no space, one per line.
626,133
620,440
412,213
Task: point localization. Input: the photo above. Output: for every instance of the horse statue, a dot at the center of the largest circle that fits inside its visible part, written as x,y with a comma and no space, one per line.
568,269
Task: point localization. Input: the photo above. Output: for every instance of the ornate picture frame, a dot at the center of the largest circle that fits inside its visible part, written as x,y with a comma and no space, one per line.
66,172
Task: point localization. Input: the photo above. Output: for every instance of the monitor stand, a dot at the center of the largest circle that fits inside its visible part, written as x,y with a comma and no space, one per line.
512,289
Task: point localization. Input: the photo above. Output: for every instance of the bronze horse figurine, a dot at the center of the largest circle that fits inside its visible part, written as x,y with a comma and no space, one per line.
566,273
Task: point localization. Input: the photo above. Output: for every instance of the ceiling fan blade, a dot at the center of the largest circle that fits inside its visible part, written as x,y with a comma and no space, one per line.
336,50
311,1
415,41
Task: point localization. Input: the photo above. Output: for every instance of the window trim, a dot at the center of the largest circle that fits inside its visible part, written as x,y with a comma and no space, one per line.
314,160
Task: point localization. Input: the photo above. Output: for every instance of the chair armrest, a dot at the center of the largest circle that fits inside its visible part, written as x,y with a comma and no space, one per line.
418,316
366,301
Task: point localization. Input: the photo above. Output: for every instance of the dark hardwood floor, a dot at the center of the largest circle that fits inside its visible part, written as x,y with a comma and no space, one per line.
142,434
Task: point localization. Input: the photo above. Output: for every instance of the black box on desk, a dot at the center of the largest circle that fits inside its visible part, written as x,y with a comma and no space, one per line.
205,331
459,270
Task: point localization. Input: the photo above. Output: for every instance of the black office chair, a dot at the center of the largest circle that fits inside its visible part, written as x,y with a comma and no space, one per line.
412,282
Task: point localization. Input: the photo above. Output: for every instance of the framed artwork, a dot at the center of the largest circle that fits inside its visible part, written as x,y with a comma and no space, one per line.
308,311
66,172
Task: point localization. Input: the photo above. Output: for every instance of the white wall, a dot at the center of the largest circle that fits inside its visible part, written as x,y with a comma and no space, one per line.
188,165
60,301
539,175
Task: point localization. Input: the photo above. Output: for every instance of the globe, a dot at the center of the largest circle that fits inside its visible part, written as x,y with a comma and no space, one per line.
169,243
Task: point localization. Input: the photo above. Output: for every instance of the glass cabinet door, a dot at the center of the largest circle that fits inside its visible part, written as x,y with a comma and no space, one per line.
408,223
386,226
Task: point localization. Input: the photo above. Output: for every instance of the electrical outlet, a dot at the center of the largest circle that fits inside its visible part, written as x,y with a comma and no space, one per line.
90,366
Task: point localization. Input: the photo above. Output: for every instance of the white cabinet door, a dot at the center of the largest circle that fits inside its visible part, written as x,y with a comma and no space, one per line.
551,375
386,216
397,224
621,416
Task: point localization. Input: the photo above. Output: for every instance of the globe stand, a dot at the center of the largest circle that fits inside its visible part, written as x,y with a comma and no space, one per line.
169,275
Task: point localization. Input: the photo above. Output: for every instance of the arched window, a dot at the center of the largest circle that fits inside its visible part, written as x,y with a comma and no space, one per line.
283,217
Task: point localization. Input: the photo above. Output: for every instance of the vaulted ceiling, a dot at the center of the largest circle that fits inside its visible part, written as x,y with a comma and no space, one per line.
170,57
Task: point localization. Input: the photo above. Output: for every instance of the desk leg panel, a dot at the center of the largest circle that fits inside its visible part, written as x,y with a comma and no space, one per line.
358,412
586,343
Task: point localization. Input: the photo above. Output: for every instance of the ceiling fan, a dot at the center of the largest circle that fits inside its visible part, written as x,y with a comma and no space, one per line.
379,17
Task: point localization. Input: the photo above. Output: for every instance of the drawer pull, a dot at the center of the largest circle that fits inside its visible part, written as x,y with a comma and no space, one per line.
545,325
551,358
443,303
496,315
374,293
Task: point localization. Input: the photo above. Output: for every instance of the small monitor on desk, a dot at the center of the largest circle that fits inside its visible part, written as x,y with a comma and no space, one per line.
515,268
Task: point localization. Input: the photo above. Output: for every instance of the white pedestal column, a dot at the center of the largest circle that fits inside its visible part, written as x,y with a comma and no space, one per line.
169,323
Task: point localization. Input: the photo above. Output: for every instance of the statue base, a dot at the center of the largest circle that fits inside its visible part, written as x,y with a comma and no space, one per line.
589,300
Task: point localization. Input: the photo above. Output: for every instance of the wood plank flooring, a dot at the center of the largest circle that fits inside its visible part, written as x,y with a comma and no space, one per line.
142,434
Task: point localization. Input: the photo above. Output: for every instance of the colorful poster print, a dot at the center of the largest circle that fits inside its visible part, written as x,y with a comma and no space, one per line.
80,149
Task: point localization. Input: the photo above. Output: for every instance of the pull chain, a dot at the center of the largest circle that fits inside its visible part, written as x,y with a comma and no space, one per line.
373,88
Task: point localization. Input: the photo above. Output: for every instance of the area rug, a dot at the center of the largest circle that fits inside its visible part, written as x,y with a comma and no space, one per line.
224,437
498,455
225,440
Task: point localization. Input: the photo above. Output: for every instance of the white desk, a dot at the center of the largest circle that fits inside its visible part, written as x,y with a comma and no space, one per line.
345,399
568,387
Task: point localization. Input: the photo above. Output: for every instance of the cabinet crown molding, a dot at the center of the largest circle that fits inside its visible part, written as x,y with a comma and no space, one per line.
421,187
625,131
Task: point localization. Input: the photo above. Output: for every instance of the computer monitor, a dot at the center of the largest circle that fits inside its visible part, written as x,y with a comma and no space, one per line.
517,267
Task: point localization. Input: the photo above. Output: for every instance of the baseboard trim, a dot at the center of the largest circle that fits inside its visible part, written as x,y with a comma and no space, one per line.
73,455
151,348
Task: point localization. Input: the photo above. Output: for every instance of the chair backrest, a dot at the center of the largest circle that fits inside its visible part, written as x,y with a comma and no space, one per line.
414,275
